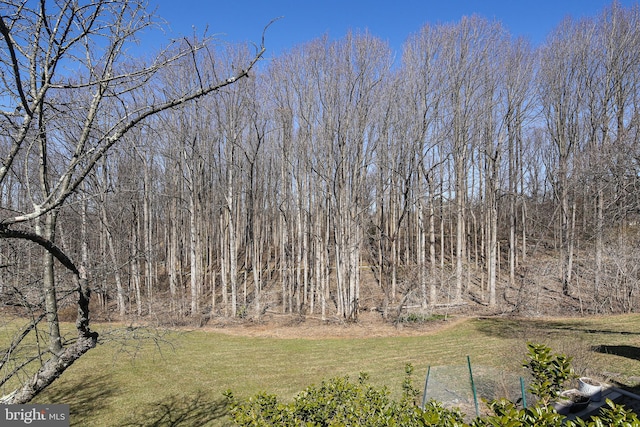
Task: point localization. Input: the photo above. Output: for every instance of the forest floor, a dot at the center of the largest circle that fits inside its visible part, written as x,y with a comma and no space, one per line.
369,324
536,296
517,302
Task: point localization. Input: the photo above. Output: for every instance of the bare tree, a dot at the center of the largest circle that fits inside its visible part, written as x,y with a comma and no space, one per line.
70,93
610,106
353,71
561,85
463,54
419,118
517,101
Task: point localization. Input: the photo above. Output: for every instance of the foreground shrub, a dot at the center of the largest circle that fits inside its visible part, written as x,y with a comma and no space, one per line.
507,414
549,371
342,402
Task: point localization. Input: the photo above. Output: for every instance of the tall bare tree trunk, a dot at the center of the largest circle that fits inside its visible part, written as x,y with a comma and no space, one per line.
193,253
421,251
120,294
148,242
460,203
48,231
136,227
513,188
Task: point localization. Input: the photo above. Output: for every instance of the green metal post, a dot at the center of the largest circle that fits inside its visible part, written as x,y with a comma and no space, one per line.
473,387
424,393
524,395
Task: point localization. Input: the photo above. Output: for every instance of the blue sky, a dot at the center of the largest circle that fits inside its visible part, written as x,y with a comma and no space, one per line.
238,21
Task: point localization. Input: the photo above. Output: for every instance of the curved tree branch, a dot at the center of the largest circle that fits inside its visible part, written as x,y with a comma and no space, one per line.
49,246
14,63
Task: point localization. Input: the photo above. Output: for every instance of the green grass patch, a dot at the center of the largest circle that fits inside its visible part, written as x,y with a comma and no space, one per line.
419,318
179,378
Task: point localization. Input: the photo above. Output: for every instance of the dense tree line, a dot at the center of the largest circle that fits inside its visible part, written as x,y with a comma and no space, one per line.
473,166
70,94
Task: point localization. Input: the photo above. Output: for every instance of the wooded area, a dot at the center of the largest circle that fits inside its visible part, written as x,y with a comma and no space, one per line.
470,164
476,159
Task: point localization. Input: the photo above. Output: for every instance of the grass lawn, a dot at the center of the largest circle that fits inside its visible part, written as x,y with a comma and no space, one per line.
181,380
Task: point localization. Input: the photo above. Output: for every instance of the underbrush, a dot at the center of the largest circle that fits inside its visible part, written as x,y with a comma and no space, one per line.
419,318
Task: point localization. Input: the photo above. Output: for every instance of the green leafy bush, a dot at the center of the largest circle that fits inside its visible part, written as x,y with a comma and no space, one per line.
506,413
549,371
342,402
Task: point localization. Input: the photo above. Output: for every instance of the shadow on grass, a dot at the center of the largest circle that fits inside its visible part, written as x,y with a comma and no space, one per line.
85,397
628,351
196,409
507,328
525,328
